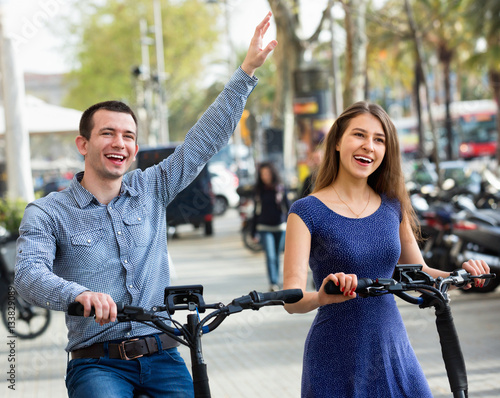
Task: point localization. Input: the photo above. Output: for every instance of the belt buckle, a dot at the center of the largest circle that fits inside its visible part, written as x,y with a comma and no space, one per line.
123,352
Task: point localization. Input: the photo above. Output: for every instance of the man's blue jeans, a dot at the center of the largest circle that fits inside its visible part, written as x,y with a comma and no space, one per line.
273,244
163,374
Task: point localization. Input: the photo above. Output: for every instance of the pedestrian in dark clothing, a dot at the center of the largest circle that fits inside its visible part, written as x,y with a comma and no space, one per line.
271,209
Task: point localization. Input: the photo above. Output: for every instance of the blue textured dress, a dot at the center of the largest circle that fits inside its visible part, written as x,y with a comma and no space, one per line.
358,348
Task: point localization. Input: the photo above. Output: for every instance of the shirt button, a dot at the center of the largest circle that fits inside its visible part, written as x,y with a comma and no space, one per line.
119,232
138,218
47,303
125,261
88,241
127,334
130,286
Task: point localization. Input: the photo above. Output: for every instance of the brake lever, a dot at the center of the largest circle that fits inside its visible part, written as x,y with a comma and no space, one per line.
374,291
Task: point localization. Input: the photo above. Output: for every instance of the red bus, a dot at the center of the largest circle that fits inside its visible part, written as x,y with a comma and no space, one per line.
477,128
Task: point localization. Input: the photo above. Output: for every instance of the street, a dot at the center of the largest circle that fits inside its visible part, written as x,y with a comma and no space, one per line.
259,353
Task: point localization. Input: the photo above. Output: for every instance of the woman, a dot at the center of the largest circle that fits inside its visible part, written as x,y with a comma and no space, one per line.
358,222
271,209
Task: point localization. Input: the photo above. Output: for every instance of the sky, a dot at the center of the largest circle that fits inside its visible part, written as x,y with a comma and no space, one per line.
28,23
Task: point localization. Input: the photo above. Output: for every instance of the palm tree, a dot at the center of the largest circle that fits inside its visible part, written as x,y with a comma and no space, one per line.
444,29
484,16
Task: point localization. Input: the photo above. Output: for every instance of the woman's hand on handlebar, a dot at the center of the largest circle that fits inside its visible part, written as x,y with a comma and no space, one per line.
347,284
476,267
103,304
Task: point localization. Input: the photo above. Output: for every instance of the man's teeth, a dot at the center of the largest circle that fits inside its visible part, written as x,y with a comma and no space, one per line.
363,159
115,156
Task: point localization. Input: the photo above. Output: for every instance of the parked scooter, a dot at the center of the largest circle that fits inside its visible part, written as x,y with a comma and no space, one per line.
455,230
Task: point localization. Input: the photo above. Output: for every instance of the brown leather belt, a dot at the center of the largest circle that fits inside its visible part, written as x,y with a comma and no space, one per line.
127,349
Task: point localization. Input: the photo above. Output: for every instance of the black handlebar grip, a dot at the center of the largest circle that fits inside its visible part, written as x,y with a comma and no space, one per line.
76,309
363,283
288,296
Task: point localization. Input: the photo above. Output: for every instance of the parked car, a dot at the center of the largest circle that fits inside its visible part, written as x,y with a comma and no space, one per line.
195,204
224,185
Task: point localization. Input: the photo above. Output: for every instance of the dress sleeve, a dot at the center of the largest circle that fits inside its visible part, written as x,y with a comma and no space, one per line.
301,207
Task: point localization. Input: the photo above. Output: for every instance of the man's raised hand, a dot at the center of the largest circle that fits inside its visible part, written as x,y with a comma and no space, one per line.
256,55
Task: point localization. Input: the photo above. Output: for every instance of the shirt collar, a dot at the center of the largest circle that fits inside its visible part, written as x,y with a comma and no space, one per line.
127,188
84,197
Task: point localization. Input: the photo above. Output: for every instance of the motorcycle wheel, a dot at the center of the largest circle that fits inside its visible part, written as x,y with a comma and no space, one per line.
249,243
24,320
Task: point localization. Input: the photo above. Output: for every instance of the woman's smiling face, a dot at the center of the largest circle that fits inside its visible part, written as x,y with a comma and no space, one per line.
362,146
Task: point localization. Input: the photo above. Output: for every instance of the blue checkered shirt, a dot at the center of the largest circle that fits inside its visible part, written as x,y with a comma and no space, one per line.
70,243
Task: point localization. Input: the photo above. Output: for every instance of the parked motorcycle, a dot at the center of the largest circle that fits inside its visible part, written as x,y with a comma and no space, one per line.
455,230
478,237
489,195
19,317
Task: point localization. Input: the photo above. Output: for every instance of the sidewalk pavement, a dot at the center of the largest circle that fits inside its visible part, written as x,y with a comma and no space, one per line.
259,353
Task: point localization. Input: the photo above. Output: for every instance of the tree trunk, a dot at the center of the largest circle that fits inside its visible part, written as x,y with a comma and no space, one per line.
445,57
418,107
288,55
421,65
355,12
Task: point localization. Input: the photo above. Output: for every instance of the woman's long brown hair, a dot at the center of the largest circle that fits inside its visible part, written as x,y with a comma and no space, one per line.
388,179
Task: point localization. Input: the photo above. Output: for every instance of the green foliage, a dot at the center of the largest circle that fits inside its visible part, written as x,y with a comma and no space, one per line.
447,35
11,214
108,47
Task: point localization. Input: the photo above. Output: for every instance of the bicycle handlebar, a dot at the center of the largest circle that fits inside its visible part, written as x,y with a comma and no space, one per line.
254,300
379,286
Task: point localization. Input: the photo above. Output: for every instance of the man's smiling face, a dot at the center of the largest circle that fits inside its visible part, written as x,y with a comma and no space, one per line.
112,146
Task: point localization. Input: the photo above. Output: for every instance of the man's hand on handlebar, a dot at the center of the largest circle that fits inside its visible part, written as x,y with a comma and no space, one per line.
103,305
476,267
347,284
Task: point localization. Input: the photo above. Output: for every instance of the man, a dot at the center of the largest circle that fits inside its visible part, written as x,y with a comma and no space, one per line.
103,240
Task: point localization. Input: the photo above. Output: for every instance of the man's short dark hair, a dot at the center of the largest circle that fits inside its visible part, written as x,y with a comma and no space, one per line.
87,122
